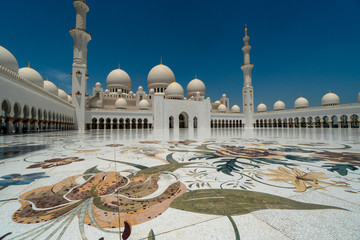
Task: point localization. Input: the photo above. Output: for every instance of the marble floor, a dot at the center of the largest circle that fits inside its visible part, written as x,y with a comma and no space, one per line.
147,184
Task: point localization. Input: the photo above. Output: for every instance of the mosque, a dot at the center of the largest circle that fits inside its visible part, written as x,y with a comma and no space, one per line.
31,104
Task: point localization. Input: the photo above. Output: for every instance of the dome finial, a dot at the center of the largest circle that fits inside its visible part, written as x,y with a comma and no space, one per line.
195,76
47,78
119,65
29,64
161,60
329,91
246,30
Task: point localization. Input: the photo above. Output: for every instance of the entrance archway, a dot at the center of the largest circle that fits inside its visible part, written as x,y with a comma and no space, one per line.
183,120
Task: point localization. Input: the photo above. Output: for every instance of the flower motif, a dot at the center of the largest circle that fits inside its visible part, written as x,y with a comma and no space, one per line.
106,200
248,152
340,157
18,179
298,178
56,162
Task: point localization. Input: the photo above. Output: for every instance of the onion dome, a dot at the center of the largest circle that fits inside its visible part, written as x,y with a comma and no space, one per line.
50,87
121,103
261,108
330,99
195,85
235,109
31,75
301,102
98,85
107,91
118,78
7,60
217,102
175,91
160,76
62,94
222,108
69,98
144,104
279,105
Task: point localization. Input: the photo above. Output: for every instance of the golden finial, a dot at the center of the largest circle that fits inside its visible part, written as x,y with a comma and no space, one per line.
161,60
47,78
29,65
195,76
329,91
59,87
119,65
246,30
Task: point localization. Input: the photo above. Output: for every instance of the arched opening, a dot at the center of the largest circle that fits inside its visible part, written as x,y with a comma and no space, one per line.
265,123
121,126
317,122
227,123
297,124
334,122
274,123
257,123
291,122
171,122
215,123
285,123
354,121
326,122
212,123
108,123
303,122
223,123
33,119
5,111
183,120
140,123
241,124
279,123
127,123
310,122
344,121
94,123
115,123
16,121
101,125
146,123
133,123
195,122
270,123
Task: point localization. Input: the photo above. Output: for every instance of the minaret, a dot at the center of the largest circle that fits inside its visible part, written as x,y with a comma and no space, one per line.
248,92
79,70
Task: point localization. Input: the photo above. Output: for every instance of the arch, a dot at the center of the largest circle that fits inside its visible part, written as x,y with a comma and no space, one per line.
344,121
303,122
274,123
140,124
310,122
212,123
223,123
257,123
146,123
279,123
101,123
334,122
326,122
354,121
171,122
94,123
183,120
285,123
296,122
127,123
291,122
265,123
115,123
121,123
317,122
133,123
226,123
195,122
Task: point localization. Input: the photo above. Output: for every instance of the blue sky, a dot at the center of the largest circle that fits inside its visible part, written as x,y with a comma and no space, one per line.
298,47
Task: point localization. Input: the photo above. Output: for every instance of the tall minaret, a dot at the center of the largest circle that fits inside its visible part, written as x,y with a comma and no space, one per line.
248,92
79,70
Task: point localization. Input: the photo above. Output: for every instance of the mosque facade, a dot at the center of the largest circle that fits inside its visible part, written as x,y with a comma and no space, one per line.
32,104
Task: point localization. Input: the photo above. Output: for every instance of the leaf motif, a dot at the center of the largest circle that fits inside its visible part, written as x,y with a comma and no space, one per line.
151,235
227,202
91,170
161,168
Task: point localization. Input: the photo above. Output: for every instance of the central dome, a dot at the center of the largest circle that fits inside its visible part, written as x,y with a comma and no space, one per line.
160,76
118,78
31,75
7,60
195,85
175,91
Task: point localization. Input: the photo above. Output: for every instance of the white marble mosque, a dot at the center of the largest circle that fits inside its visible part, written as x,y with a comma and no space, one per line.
31,104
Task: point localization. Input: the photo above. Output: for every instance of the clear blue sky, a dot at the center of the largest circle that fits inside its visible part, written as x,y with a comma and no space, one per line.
298,47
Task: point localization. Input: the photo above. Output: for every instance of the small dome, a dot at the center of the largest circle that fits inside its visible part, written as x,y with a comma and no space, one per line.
119,91
50,87
279,105
222,108
140,88
121,103
224,95
144,104
195,85
330,99
107,91
98,85
118,78
217,102
62,95
131,93
7,60
69,98
301,102
160,75
235,108
31,75
174,90
261,108
151,91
